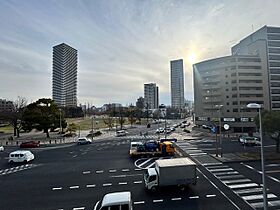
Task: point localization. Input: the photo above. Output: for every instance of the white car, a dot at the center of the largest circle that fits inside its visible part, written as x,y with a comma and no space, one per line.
115,201
84,140
1,148
21,156
121,133
248,140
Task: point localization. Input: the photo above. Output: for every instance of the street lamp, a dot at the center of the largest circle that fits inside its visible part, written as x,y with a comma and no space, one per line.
163,108
60,125
258,107
220,122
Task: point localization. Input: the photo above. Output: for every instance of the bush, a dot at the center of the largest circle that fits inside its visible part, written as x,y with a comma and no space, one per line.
96,133
69,135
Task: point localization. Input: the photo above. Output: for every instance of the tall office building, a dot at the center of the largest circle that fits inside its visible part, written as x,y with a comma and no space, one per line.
233,82
265,42
250,75
64,83
177,83
151,96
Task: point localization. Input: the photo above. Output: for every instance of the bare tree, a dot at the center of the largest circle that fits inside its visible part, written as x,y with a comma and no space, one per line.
109,122
132,115
15,115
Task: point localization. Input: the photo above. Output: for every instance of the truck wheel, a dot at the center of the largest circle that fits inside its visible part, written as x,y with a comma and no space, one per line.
153,189
182,187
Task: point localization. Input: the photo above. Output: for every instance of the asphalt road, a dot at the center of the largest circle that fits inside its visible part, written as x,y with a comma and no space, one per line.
78,176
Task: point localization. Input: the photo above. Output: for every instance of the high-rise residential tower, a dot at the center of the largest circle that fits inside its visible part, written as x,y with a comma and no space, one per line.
151,96
64,83
177,83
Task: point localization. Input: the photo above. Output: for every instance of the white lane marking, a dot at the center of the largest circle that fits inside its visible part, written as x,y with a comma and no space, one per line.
123,175
138,202
176,199
260,172
272,165
107,184
79,208
86,172
138,182
210,196
194,197
112,171
74,187
137,169
99,172
57,188
90,185
157,201
125,170
144,162
152,164
75,156
122,183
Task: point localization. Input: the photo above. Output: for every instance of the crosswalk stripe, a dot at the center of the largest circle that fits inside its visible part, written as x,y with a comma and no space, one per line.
236,186
236,181
258,197
252,190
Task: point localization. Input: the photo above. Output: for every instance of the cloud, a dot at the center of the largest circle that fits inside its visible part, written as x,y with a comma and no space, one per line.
121,44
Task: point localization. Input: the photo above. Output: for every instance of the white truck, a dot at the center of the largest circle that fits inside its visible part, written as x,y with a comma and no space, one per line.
171,172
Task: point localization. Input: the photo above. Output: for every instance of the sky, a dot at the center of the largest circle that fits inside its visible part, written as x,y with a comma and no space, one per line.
121,44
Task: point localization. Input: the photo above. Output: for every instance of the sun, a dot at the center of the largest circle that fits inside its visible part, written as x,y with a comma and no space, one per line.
191,58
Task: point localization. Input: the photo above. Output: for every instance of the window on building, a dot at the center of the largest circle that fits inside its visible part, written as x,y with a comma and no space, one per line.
235,110
235,103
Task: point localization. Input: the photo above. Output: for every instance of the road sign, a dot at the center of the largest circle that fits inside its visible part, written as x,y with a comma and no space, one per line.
213,129
226,126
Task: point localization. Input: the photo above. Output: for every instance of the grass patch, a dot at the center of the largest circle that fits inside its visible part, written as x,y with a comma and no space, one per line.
7,129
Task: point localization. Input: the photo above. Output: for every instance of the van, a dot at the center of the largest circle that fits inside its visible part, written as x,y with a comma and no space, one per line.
121,133
20,156
115,201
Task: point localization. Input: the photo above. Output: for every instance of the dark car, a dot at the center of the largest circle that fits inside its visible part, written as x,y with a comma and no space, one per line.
29,144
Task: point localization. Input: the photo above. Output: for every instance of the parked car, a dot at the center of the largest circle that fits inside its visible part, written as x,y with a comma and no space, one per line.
249,140
21,156
83,140
172,129
121,133
182,125
1,148
115,201
29,144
